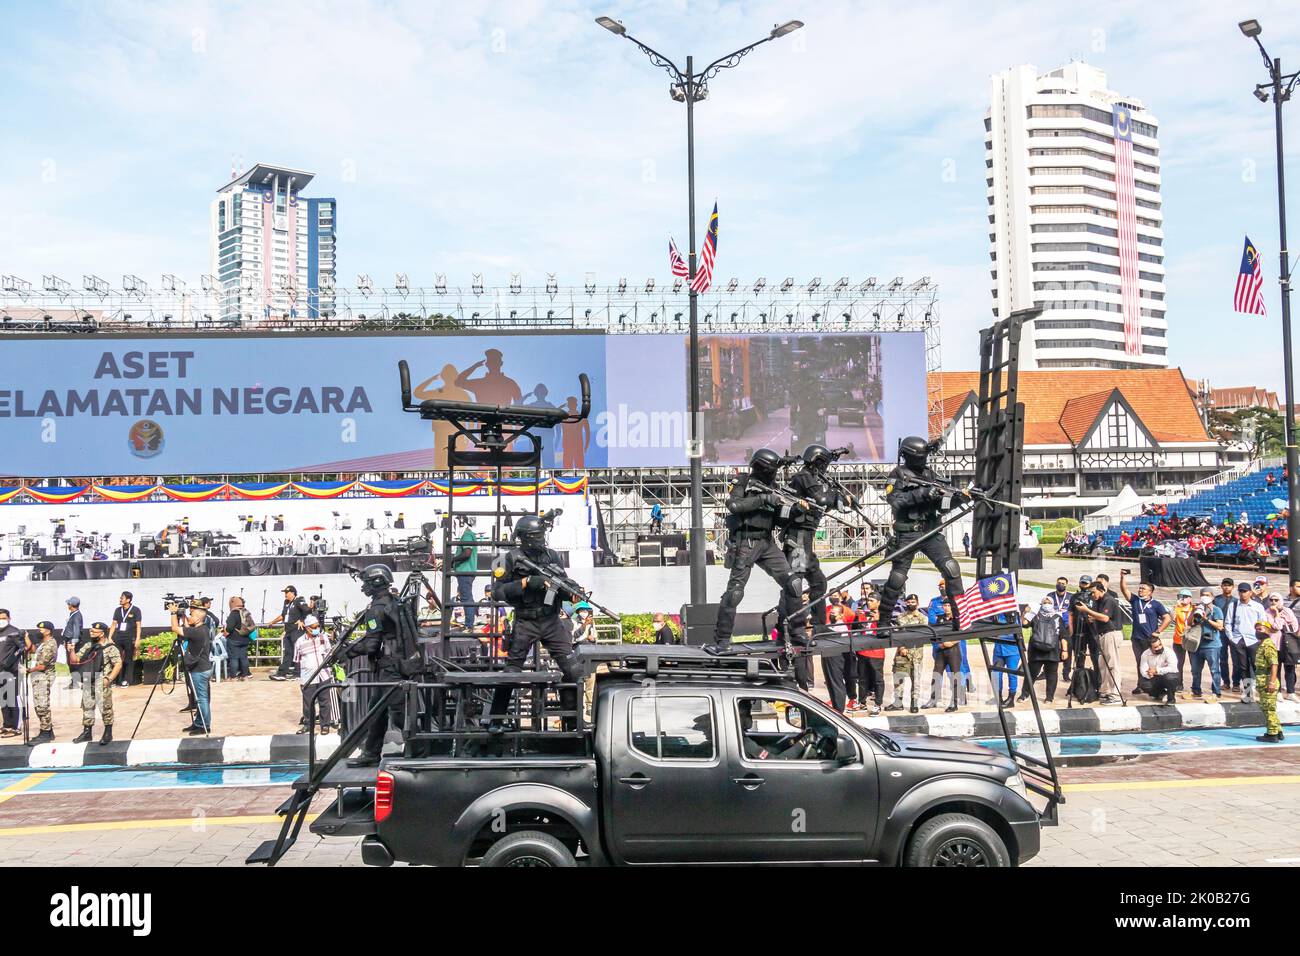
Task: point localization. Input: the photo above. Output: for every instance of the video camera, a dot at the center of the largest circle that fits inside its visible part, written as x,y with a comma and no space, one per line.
180,603
548,517
319,606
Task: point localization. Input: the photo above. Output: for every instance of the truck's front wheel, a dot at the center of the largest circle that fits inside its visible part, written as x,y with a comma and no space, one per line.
956,839
528,848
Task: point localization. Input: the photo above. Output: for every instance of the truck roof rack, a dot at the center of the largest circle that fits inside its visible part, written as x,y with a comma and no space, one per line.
680,662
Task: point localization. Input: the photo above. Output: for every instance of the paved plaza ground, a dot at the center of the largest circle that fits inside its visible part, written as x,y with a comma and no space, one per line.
1179,810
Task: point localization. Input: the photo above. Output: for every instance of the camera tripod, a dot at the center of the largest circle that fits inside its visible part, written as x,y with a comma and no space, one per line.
177,663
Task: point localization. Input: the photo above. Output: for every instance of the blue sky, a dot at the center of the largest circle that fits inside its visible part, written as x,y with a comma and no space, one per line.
519,136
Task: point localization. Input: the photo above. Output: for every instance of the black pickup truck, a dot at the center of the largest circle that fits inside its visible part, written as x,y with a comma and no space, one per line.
699,771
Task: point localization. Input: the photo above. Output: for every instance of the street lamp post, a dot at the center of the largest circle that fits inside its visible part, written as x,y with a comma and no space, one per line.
690,87
1279,88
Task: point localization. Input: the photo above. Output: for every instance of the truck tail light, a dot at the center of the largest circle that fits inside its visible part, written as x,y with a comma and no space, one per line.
383,796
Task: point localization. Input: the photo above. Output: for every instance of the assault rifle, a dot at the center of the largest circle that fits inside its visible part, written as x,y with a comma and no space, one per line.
850,498
794,501
556,581
970,491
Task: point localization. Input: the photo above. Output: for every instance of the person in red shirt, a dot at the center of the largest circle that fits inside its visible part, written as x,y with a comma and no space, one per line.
871,664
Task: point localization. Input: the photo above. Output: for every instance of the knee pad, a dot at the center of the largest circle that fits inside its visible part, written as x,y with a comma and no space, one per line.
730,599
952,573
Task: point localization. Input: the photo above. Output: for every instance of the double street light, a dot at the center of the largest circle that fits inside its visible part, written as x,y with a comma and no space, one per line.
690,87
1279,89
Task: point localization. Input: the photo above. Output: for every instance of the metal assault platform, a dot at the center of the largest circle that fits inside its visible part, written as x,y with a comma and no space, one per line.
447,706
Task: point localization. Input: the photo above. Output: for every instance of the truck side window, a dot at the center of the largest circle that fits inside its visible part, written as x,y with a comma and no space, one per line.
672,728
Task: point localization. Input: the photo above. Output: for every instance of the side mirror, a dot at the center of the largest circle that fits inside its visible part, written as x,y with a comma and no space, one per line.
794,717
846,751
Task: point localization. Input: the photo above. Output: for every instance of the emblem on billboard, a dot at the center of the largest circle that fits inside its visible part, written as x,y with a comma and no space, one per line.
145,439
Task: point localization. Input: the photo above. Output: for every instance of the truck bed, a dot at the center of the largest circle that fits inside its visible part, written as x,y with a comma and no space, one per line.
443,789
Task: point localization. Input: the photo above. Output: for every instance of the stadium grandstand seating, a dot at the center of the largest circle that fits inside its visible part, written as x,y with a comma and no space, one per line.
1250,493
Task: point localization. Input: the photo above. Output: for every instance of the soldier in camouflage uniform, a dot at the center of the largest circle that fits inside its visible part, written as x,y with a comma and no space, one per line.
908,660
41,670
100,662
1266,684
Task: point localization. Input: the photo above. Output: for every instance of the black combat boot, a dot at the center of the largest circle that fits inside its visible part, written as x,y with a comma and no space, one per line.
108,735
44,737
83,737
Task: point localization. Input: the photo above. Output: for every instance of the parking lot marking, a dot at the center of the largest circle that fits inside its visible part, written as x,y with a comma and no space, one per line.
26,783
189,822
1176,784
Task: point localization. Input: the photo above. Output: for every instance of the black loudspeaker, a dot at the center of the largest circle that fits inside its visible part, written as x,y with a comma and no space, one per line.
698,621
1031,559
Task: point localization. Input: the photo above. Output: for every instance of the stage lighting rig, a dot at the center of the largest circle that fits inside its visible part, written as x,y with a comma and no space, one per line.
440,283
364,284
95,284
476,286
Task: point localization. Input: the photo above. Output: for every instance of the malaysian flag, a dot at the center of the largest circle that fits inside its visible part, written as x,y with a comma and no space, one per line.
1126,212
704,269
990,596
675,261
1249,297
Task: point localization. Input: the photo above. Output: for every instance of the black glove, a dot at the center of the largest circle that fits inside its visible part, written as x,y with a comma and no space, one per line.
772,500
936,493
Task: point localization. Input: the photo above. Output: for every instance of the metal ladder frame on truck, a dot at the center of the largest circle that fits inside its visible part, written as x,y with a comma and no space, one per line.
446,707
995,543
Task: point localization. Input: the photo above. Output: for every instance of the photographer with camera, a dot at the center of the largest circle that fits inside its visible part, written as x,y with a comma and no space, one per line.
99,662
1101,615
189,623
1207,646
1150,619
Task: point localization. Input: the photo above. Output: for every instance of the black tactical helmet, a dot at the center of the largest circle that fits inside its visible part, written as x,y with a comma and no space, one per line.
530,531
818,456
914,450
764,464
376,579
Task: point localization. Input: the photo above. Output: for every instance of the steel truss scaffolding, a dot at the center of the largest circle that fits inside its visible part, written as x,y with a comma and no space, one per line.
624,495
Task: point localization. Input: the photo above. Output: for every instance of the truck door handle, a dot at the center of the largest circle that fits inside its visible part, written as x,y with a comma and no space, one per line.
749,781
636,781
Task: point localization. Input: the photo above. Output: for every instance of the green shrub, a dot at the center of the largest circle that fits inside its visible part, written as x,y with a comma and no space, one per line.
154,648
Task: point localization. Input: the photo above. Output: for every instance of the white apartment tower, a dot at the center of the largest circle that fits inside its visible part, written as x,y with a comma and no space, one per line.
1075,220
273,252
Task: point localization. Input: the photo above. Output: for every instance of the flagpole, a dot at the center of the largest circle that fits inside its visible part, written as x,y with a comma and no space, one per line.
695,450
689,86
1284,278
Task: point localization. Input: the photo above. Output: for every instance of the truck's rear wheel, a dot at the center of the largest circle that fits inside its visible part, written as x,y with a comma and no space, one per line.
956,839
528,848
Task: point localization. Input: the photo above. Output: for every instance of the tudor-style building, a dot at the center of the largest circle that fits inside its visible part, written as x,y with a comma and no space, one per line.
1087,435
